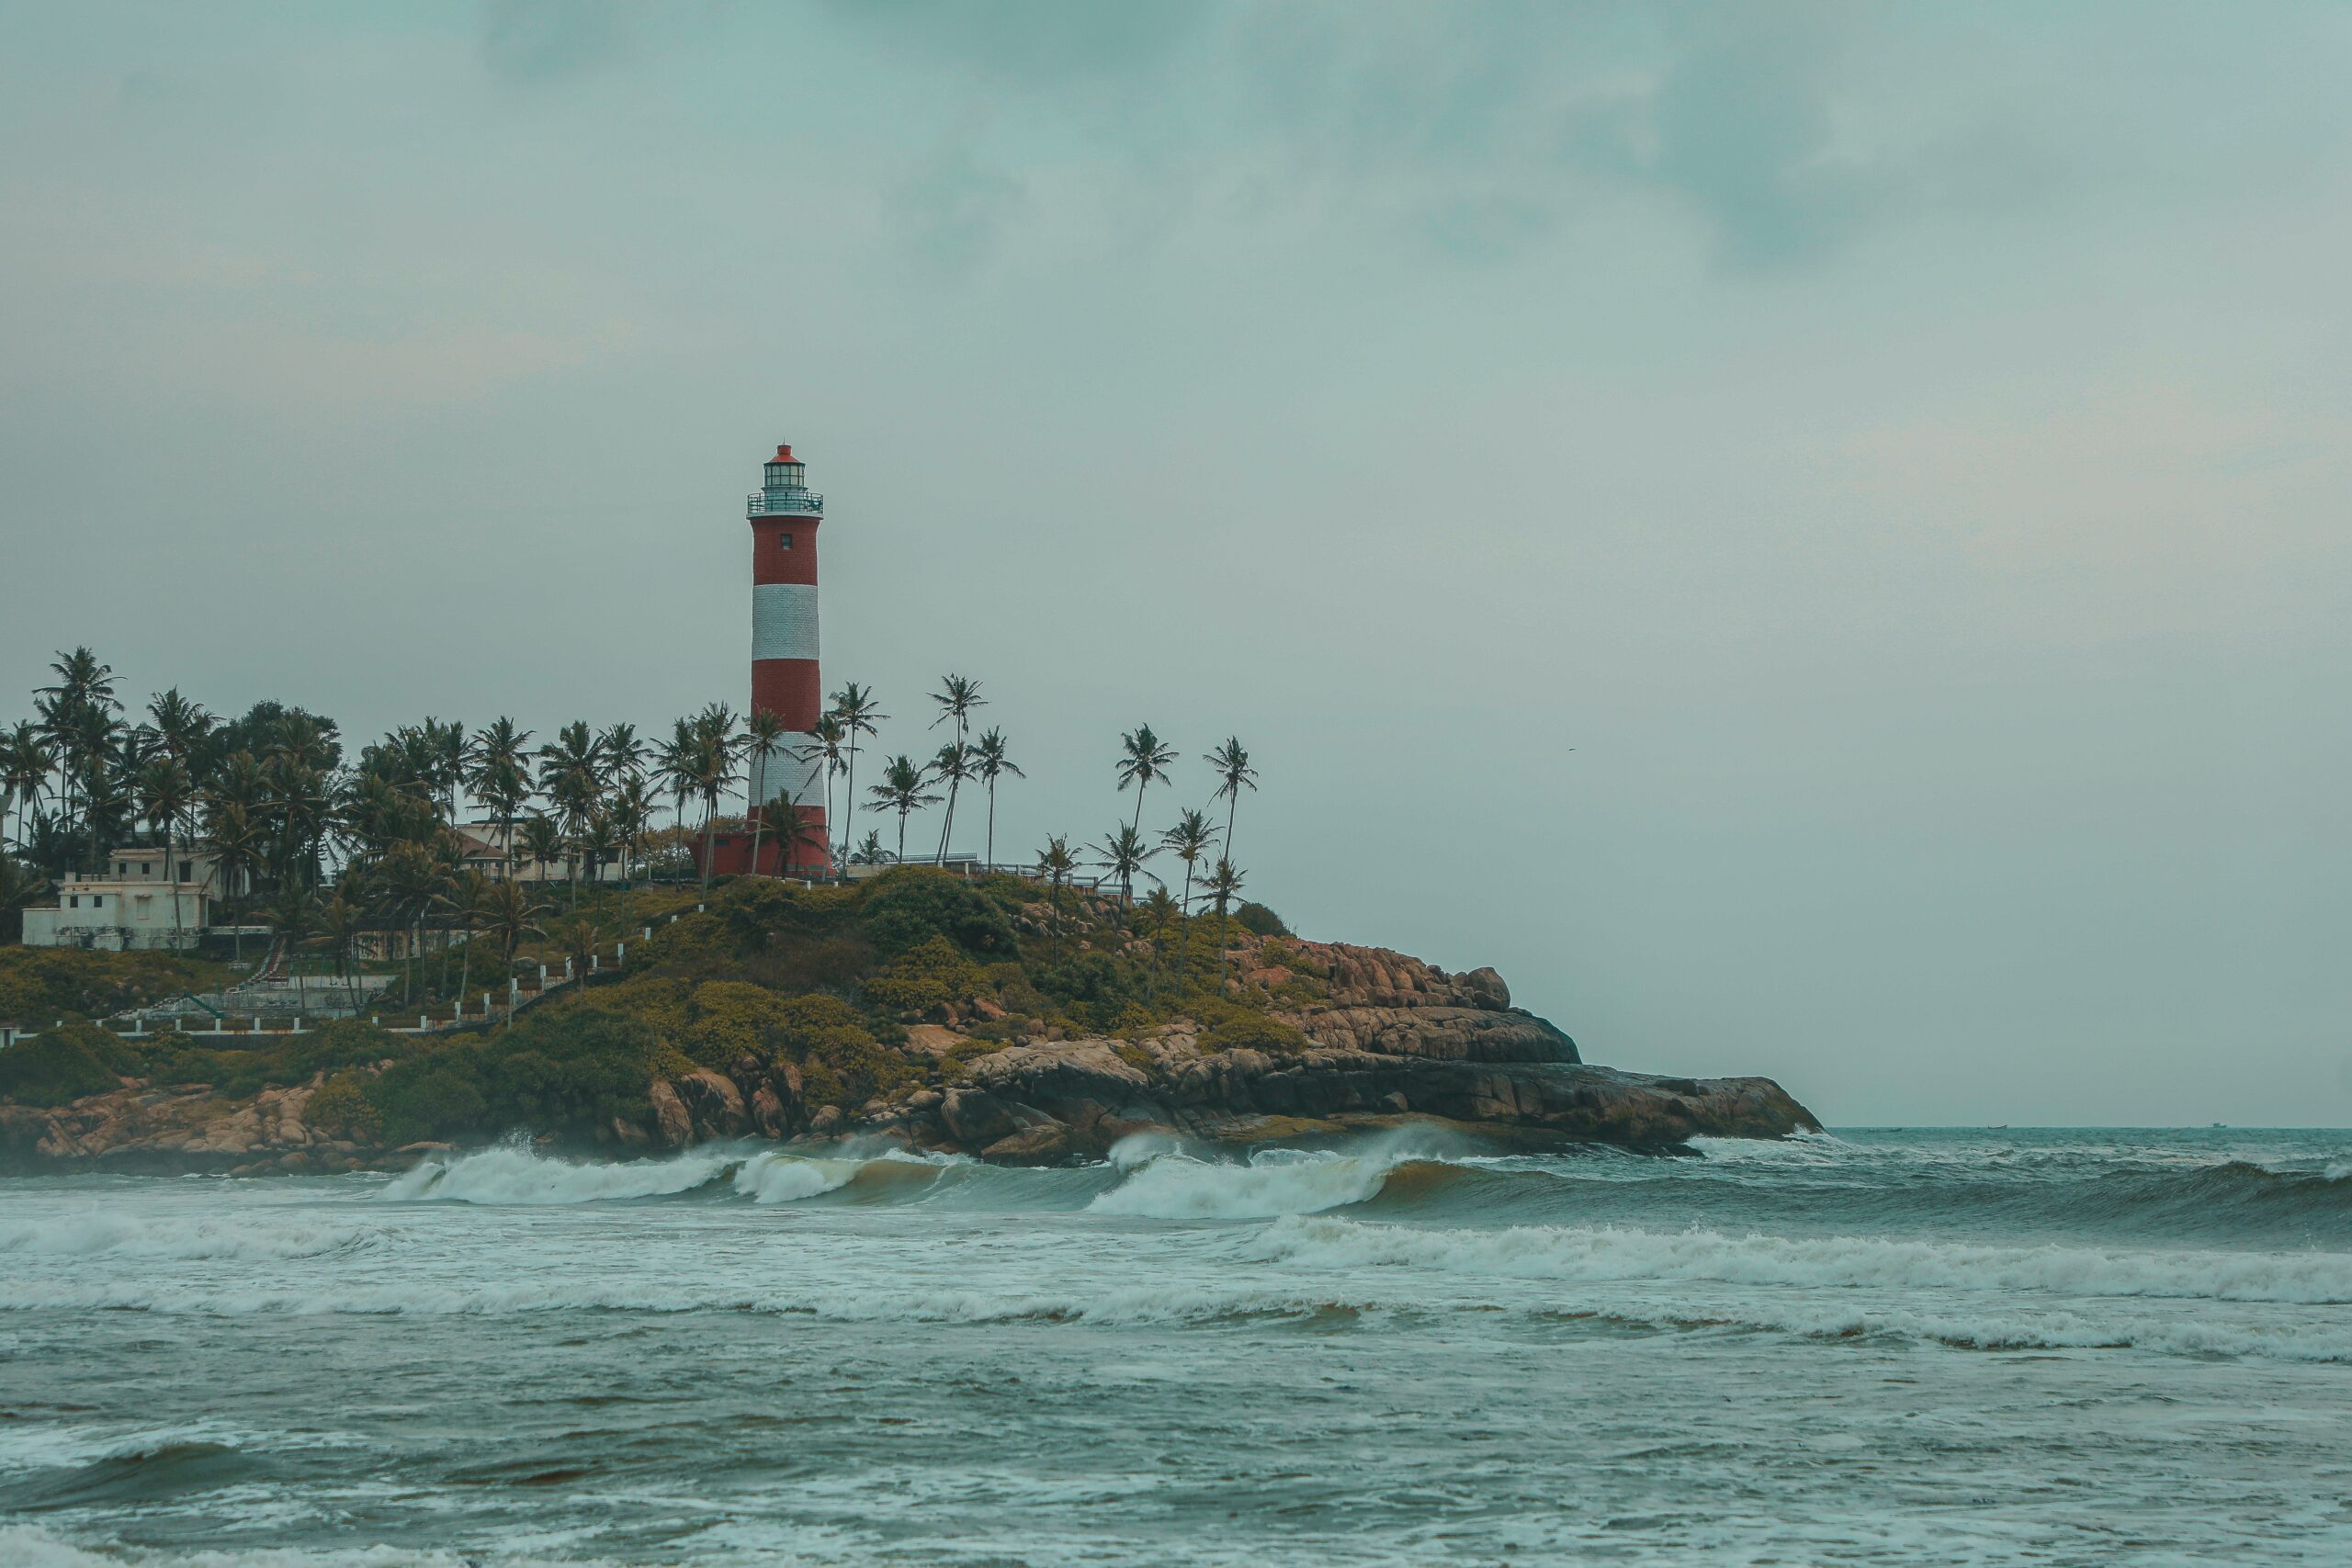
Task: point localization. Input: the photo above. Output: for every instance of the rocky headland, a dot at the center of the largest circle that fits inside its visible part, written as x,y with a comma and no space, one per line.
1334,1040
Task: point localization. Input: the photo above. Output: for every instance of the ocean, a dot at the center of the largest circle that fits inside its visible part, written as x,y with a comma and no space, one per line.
1872,1346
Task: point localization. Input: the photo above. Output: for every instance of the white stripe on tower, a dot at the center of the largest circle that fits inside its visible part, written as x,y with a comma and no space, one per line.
784,620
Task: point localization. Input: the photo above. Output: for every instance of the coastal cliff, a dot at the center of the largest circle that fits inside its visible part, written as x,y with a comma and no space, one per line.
988,1021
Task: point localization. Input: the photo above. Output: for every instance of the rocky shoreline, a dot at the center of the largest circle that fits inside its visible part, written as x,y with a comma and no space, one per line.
1395,1041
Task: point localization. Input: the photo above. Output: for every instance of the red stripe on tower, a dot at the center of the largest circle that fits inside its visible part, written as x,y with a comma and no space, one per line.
785,514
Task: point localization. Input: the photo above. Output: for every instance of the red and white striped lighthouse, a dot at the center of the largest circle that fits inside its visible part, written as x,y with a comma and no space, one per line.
784,515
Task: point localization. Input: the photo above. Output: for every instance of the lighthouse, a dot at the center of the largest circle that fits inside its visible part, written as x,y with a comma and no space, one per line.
784,515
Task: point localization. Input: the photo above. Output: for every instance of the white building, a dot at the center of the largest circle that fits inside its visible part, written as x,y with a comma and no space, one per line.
115,914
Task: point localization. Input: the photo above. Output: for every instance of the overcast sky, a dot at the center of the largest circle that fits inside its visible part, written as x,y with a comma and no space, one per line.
1814,537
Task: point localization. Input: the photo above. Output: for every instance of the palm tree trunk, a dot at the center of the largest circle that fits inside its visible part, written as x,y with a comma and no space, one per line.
850,789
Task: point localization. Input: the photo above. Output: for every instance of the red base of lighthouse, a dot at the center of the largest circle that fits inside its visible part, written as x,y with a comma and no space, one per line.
731,851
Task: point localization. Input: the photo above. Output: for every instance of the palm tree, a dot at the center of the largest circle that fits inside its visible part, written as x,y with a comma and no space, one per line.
1224,883
26,759
1230,763
824,752
1159,908
572,776
956,698
624,752
442,750
674,764
291,917
1146,758
1123,854
164,795
335,924
542,842
794,831
632,817
236,839
499,775
1055,862
1188,840
953,764
19,886
903,789
508,914
717,745
464,899
416,877
761,734
860,714
992,760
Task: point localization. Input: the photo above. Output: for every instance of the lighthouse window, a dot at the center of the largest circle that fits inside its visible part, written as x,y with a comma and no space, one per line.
787,539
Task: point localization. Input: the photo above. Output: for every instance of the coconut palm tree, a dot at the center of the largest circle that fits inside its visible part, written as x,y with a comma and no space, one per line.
623,753
956,698
1224,884
827,747
1122,855
237,840
860,714
165,792
542,842
24,763
674,764
19,886
334,925
904,788
763,734
1189,841
572,772
291,917
499,774
1144,758
717,746
1055,862
1230,763
992,759
463,902
953,764
795,830
509,912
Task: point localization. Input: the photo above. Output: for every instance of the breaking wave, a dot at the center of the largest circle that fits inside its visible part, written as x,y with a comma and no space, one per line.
94,1233
511,1174
1161,1181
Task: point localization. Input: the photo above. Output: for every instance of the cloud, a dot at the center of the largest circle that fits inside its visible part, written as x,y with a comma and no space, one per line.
539,41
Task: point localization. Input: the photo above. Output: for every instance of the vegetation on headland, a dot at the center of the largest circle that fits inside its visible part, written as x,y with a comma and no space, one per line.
826,979
328,853
341,857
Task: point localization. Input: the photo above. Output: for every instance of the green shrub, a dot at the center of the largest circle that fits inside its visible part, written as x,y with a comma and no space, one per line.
273,1061
910,905
1254,1031
39,985
61,1065
1256,917
931,973
341,1109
